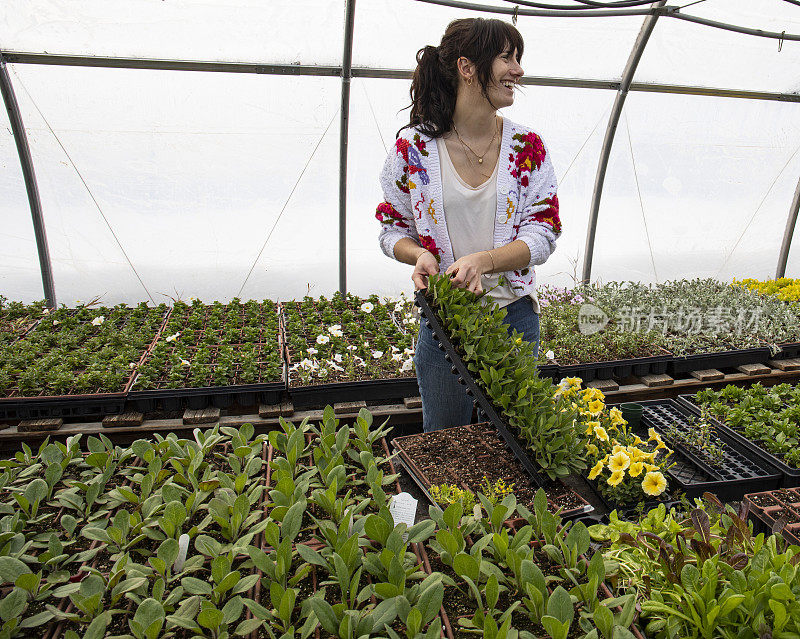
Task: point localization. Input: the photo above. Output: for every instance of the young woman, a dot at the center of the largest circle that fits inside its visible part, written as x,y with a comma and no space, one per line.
469,193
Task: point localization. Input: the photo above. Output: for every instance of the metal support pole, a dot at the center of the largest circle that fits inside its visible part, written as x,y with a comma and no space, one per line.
21,139
347,74
611,129
783,257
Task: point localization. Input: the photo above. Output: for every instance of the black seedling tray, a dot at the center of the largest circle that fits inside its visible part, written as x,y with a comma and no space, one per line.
739,473
791,475
64,406
724,359
619,368
320,395
474,391
171,399
789,350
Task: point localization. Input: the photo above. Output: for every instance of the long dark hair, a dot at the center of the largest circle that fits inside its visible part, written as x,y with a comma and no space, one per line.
434,85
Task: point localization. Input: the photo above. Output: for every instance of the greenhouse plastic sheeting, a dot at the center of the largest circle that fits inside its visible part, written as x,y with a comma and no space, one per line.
191,172
275,31
166,183
682,52
555,47
697,187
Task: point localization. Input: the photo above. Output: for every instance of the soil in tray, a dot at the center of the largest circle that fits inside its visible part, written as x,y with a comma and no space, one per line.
472,453
789,515
763,500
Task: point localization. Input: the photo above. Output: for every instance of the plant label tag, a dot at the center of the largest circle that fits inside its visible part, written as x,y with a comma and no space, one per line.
183,547
403,508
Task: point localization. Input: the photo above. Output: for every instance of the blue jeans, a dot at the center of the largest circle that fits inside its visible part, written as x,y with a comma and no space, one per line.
445,402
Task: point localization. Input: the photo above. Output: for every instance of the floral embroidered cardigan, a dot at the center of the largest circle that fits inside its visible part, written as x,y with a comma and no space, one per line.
527,204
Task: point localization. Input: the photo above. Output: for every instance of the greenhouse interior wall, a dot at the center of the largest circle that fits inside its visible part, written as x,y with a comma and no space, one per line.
175,184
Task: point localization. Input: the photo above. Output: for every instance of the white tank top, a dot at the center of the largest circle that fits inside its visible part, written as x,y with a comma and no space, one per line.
470,213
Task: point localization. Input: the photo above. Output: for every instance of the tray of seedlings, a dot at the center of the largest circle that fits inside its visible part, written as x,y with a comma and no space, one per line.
706,457
776,511
76,362
346,348
18,319
723,359
475,459
764,420
217,354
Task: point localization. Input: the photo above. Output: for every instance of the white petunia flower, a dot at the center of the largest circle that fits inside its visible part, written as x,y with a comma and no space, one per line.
398,308
312,351
397,357
323,339
407,365
335,330
352,348
185,362
550,355
172,338
367,307
132,365
377,354
408,351
334,366
395,349
337,358
360,362
366,344
56,322
45,311
97,321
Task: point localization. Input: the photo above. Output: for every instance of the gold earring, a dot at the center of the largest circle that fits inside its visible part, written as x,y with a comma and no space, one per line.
469,82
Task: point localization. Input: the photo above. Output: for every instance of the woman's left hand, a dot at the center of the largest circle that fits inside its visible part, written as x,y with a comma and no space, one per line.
466,271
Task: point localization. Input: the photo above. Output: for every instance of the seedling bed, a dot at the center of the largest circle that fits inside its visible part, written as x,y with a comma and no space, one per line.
473,390
214,355
776,511
465,456
723,359
77,362
791,475
338,352
738,472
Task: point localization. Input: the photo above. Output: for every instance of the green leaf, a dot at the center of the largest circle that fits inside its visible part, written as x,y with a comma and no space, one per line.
559,605
196,586
12,605
11,568
492,592
325,614
466,565
149,617
555,628
209,617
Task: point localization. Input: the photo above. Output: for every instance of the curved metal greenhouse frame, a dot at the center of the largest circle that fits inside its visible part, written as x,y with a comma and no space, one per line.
651,15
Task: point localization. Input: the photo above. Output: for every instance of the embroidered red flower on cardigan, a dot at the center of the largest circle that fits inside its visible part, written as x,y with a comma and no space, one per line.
387,214
550,214
530,154
428,243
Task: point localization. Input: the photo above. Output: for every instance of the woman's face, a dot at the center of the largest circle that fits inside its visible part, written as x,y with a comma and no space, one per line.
506,73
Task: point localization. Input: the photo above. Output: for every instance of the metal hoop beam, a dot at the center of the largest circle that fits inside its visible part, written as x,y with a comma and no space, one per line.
25,159
788,233
347,63
373,73
611,129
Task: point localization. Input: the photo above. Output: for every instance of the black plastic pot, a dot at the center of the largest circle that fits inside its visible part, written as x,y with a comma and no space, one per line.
73,406
485,407
170,399
739,472
790,475
724,359
619,368
366,390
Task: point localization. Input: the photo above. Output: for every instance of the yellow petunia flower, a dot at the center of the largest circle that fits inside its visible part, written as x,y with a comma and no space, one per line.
615,478
636,469
596,470
574,382
596,407
617,448
654,484
616,417
637,441
592,450
651,432
651,467
618,462
601,433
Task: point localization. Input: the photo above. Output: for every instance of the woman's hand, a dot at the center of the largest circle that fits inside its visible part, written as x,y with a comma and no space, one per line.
466,271
426,265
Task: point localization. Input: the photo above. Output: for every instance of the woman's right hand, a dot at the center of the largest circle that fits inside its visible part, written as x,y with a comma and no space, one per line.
426,265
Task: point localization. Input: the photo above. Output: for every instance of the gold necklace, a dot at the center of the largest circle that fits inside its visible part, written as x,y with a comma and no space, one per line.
471,162
480,157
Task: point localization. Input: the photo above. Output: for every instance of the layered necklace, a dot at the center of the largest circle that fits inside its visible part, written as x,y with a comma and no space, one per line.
479,157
